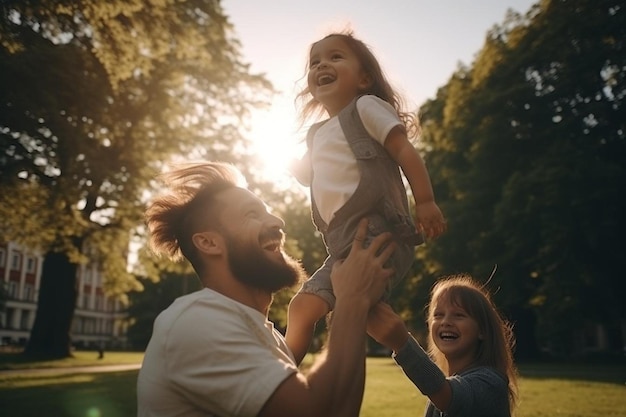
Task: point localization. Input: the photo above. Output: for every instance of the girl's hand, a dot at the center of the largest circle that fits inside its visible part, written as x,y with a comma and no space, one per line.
429,219
386,327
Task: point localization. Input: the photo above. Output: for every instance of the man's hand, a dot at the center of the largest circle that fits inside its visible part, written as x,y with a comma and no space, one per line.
362,274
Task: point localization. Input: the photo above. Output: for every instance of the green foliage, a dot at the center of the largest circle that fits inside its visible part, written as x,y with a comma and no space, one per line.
526,150
95,97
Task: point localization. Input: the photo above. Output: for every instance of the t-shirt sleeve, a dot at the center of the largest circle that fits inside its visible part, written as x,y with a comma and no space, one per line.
219,364
378,117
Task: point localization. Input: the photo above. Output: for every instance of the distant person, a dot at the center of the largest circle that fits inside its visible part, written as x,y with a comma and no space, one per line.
214,352
472,372
353,167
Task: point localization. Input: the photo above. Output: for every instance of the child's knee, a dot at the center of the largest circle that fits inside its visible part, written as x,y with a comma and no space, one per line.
308,307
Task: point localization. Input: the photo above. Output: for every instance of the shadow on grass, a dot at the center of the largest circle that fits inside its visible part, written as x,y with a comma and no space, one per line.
76,395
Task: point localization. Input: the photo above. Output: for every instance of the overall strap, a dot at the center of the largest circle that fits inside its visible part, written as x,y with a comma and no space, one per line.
355,132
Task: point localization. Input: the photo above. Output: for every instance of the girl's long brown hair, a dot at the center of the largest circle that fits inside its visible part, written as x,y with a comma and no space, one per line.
496,348
380,87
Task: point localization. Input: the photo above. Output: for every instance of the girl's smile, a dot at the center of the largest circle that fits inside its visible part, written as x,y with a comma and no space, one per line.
335,75
455,333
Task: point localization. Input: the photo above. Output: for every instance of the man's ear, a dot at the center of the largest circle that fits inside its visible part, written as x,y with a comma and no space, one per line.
210,243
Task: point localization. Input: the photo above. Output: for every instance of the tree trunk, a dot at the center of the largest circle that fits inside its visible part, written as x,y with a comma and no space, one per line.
50,335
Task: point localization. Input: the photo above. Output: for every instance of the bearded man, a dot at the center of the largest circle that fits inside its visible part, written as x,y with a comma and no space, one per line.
214,352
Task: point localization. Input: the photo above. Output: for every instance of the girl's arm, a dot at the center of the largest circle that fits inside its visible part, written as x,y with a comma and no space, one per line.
388,329
481,391
429,218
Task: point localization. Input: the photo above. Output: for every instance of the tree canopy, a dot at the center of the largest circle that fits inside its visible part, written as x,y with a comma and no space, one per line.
526,148
94,98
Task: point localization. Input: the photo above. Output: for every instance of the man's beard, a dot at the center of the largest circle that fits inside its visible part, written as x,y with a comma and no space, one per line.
251,265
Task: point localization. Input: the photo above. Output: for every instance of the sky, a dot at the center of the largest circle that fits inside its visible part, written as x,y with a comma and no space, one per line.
418,43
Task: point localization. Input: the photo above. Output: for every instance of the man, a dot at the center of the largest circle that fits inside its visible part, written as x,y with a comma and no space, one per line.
213,352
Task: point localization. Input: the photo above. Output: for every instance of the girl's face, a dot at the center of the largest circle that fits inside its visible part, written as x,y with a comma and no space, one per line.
335,76
455,333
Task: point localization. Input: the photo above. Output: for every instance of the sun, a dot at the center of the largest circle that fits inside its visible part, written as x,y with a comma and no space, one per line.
276,141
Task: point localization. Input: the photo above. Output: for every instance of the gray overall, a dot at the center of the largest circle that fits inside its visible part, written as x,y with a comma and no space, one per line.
380,196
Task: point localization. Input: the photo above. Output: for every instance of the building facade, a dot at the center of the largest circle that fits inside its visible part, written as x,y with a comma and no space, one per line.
99,321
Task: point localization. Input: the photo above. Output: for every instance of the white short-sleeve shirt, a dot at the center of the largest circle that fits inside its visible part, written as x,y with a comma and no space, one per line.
211,356
336,175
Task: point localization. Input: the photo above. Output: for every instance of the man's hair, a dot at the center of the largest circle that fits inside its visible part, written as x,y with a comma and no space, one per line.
187,205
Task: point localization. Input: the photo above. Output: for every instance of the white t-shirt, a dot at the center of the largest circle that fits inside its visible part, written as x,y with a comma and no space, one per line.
211,356
336,175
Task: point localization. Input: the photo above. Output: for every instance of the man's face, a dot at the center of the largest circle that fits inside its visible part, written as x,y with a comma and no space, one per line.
251,264
255,244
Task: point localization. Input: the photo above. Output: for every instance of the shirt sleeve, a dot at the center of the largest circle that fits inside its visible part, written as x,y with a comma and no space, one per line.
378,117
419,368
219,364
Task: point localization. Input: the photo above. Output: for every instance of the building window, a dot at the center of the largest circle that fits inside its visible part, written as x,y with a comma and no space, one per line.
88,275
98,302
28,292
77,326
31,264
9,318
16,261
24,320
88,326
12,289
86,305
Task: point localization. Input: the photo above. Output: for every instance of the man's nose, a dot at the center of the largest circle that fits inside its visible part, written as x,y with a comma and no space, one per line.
276,221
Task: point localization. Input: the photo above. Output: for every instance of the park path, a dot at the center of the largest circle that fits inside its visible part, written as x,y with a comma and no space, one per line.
70,370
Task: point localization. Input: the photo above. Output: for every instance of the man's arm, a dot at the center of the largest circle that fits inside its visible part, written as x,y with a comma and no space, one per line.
334,387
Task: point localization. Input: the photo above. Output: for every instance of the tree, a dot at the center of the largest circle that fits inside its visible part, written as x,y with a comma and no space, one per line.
526,149
95,97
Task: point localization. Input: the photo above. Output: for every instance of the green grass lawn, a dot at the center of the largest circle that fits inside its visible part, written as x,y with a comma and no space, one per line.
14,360
545,390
